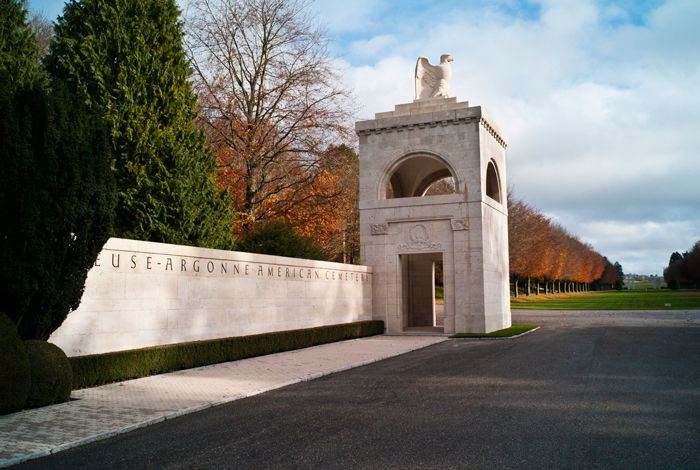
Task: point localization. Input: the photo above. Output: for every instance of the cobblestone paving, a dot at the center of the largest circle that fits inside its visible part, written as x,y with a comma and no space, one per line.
110,408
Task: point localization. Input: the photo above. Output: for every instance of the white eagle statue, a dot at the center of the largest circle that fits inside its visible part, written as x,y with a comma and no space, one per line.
431,80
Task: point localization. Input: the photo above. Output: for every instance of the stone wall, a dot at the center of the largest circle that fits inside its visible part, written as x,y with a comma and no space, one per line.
143,294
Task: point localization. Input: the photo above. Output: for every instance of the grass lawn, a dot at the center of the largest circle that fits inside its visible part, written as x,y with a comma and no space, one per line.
612,300
645,285
506,333
439,293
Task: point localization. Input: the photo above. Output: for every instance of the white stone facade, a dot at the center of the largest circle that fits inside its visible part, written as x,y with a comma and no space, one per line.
143,294
401,237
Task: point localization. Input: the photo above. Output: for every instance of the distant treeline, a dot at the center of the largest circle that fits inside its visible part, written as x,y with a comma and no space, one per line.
544,251
683,270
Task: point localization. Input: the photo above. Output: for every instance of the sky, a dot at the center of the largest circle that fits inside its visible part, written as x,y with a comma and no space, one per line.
600,100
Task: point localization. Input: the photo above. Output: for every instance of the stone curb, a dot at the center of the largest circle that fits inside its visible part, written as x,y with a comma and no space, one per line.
175,414
495,337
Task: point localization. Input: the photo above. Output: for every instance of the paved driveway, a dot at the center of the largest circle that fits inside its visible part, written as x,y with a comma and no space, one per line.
587,390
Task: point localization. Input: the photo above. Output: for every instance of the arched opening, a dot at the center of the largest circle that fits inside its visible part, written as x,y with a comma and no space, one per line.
493,185
441,187
420,176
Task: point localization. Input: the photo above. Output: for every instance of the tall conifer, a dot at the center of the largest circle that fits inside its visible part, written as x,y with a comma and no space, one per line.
126,57
56,202
56,187
19,56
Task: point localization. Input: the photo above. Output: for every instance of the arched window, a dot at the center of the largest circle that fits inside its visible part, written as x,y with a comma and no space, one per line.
493,185
420,176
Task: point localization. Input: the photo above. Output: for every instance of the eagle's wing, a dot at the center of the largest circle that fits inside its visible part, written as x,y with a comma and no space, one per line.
427,78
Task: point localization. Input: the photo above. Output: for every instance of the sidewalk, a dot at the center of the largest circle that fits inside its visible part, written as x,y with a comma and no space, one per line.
100,412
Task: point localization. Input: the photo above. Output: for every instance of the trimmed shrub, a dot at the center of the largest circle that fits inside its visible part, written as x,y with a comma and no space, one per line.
15,372
619,285
673,284
98,369
52,376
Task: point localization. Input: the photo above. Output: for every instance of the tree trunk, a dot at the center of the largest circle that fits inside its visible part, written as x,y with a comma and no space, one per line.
528,286
515,283
546,287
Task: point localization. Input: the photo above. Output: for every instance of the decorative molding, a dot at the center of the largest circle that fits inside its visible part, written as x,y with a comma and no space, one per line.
421,125
459,224
380,229
409,247
427,218
493,132
411,127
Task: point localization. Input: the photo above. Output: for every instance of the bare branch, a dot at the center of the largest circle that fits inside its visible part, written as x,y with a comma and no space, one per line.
271,99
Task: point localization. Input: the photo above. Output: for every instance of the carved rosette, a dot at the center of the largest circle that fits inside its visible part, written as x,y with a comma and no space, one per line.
459,224
419,239
380,229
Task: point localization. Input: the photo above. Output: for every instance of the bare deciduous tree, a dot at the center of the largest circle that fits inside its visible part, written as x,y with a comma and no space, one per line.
271,98
43,30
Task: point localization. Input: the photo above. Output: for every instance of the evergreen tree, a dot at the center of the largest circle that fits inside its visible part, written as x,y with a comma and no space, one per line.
127,58
618,266
278,238
56,202
19,55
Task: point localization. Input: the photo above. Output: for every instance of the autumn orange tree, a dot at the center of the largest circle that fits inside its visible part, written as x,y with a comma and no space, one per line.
273,105
331,216
544,251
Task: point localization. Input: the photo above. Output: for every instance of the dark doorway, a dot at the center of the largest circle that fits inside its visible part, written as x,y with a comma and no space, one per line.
418,292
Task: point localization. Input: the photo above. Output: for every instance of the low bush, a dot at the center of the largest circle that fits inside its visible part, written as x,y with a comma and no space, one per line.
15,370
98,369
52,377
279,238
673,284
619,285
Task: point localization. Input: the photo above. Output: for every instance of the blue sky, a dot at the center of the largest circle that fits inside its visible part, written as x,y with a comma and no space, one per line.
600,101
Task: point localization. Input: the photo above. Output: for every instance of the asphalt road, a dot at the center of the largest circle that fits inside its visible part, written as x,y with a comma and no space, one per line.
585,391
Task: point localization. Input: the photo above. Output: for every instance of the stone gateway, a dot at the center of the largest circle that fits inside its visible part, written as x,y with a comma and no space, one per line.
405,233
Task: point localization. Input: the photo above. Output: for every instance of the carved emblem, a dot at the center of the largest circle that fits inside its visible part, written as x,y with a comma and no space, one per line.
459,224
419,237
380,229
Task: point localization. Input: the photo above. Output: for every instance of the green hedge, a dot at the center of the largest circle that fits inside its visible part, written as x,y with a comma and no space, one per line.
98,369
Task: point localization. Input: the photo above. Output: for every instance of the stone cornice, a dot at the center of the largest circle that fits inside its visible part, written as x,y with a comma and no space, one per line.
493,132
388,129
412,122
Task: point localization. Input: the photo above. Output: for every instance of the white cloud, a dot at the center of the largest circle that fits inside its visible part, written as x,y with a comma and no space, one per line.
374,47
642,248
377,86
